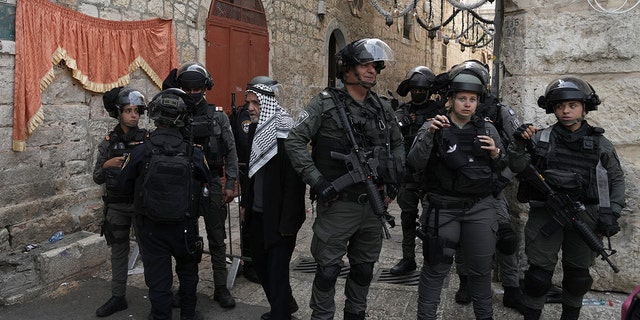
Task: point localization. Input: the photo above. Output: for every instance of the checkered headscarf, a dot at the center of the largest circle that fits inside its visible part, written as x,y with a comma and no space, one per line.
274,123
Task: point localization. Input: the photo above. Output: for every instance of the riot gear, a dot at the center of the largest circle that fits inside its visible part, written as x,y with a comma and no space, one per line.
194,75
419,77
169,107
472,76
569,88
361,52
131,97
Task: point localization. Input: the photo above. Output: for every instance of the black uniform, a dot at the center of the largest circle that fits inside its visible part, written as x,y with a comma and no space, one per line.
160,241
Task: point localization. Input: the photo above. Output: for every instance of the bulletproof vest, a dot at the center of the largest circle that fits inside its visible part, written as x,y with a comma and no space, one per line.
572,152
168,189
120,145
423,112
371,129
457,165
206,130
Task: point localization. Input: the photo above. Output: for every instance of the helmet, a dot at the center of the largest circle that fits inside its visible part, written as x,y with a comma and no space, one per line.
117,98
569,88
169,107
133,97
419,77
475,67
194,75
363,51
471,76
276,87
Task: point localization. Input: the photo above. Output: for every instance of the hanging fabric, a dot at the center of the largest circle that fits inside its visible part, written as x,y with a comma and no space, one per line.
100,53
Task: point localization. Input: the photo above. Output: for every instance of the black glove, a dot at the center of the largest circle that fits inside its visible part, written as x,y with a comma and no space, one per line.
325,190
517,135
608,224
392,191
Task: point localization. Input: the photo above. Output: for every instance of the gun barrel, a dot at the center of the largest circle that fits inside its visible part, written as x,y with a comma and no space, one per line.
593,242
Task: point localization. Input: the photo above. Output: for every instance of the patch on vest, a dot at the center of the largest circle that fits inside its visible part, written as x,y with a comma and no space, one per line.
302,117
245,126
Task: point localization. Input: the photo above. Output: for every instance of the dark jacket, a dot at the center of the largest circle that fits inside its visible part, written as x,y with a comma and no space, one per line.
284,192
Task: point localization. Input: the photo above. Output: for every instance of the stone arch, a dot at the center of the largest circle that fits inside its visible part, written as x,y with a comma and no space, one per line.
334,41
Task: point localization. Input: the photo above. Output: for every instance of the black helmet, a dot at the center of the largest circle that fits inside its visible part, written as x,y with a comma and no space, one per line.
468,83
169,107
363,51
569,88
419,77
194,75
276,87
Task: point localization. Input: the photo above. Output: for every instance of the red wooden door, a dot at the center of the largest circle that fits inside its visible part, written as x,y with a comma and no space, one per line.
237,49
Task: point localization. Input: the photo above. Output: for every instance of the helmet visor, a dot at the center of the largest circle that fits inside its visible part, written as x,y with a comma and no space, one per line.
373,50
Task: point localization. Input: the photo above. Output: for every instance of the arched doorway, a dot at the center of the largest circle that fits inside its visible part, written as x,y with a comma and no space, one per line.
237,48
336,42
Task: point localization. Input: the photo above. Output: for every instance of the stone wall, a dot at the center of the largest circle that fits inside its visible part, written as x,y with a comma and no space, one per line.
546,39
49,187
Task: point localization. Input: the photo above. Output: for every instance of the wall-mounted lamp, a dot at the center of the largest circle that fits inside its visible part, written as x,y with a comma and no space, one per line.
321,7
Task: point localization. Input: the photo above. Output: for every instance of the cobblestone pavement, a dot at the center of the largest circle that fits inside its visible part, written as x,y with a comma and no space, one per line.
389,301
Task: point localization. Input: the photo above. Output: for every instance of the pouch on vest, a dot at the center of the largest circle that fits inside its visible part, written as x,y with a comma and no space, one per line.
167,188
565,182
452,155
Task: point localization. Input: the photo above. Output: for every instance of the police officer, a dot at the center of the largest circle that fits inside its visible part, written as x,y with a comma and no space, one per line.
126,105
345,223
162,239
577,160
504,119
411,116
211,128
461,155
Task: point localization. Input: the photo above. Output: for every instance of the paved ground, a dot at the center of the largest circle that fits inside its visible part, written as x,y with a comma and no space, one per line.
78,299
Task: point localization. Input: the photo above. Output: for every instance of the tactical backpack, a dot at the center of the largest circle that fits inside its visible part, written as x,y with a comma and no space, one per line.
168,186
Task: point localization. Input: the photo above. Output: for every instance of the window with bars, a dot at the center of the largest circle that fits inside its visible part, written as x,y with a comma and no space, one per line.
248,11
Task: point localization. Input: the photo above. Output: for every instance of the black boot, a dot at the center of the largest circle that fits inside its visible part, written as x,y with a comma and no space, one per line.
403,267
354,316
532,314
112,306
462,295
224,297
513,298
569,312
293,307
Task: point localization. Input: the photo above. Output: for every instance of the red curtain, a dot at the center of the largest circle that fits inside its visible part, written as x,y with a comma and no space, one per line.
101,54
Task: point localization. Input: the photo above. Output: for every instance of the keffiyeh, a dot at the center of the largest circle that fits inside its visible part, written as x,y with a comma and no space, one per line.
274,123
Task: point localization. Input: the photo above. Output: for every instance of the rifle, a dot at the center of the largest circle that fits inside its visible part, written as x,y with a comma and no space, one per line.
363,169
566,212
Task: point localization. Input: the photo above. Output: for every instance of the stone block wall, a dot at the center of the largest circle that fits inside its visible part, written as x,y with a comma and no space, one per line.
546,39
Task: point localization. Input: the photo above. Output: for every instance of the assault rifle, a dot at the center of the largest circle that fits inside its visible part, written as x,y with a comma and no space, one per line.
362,169
566,212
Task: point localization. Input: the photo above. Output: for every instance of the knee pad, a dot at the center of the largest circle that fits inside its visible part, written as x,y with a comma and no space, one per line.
361,273
326,277
537,281
507,239
577,281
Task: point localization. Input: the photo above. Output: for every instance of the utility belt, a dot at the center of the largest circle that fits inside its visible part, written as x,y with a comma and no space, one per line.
359,198
117,198
442,202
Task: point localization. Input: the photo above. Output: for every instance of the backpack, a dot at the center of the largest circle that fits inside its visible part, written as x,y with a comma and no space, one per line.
168,184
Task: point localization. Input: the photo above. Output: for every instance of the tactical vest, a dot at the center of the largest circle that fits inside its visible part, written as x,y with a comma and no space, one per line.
118,148
168,189
458,166
206,130
371,127
577,153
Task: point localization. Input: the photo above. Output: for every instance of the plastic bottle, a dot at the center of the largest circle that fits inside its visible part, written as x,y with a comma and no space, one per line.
56,237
